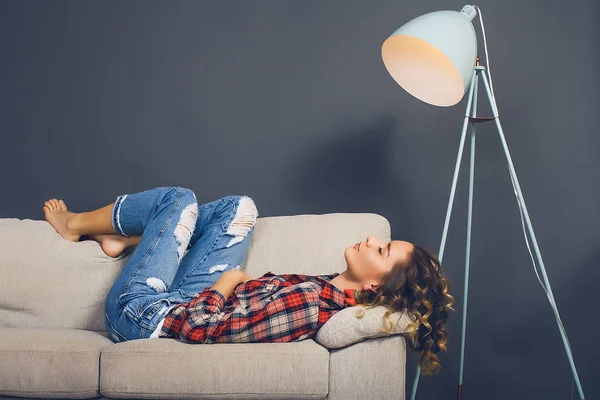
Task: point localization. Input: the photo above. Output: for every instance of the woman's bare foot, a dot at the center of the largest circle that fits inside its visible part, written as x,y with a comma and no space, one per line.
57,215
112,244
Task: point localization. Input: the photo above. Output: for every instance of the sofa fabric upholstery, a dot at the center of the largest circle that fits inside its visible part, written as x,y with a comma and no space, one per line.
375,369
53,343
173,369
54,361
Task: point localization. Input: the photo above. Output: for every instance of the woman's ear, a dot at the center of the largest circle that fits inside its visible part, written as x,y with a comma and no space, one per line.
371,286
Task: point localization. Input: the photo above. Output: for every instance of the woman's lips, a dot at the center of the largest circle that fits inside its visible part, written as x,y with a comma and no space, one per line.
357,246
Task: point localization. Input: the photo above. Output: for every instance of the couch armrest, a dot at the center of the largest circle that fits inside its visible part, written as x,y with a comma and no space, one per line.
371,369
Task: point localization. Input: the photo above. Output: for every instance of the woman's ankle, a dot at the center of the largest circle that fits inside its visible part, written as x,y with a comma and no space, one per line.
73,224
132,240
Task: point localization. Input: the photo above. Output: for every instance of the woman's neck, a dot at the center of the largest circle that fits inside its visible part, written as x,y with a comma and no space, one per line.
344,281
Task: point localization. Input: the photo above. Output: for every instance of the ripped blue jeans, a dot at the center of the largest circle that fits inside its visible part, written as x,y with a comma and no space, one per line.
184,248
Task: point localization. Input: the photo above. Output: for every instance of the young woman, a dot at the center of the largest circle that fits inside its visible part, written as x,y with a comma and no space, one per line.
184,278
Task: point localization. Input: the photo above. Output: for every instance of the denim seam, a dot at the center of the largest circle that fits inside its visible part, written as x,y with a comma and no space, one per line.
152,309
160,234
223,228
114,329
232,215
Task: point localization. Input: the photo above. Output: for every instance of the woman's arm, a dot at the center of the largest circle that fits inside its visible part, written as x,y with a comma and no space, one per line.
205,316
292,314
229,280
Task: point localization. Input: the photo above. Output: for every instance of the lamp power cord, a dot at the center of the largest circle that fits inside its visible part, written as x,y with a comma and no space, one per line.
535,267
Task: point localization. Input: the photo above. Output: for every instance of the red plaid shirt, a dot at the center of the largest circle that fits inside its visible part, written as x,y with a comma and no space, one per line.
272,308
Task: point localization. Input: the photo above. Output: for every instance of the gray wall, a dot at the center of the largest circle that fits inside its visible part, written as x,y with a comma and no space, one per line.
289,102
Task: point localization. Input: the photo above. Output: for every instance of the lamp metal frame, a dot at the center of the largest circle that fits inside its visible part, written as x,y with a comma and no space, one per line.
471,120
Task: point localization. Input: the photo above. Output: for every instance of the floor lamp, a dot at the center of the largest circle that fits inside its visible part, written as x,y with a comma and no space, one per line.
433,57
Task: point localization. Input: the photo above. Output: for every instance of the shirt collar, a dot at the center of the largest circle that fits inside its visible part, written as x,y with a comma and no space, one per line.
349,295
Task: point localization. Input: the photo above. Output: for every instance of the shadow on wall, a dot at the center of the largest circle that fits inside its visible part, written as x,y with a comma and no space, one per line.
353,173
523,335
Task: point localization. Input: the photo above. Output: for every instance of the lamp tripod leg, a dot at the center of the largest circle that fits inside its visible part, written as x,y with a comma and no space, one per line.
451,200
472,106
468,245
521,202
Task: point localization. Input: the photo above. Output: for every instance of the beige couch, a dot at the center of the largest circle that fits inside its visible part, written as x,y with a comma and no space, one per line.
53,343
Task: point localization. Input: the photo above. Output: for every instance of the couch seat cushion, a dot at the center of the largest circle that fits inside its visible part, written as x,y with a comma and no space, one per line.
170,369
50,362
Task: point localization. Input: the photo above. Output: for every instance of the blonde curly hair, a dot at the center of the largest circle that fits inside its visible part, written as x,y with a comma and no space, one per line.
416,285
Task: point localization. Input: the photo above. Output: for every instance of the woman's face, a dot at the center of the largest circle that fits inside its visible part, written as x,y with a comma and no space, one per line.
368,261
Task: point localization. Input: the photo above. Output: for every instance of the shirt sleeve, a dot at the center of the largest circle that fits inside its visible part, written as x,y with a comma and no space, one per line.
205,318
271,314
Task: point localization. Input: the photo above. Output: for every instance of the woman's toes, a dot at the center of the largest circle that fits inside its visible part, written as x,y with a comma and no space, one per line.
57,217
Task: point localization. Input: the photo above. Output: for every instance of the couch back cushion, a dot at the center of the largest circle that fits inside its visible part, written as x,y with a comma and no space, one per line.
49,282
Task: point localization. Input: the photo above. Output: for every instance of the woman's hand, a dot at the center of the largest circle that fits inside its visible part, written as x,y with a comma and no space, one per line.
236,276
229,280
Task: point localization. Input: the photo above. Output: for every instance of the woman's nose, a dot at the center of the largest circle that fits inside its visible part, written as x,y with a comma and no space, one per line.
372,241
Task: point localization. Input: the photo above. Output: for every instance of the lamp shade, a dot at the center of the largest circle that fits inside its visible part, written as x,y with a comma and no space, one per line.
433,56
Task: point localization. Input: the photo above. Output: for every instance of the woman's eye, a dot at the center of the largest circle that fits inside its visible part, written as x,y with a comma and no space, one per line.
380,251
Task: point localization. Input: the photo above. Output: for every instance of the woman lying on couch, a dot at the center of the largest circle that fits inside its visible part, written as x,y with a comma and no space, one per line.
183,279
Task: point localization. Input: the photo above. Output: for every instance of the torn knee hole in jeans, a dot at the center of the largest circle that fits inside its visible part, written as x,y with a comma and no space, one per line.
218,267
185,228
157,284
221,267
244,220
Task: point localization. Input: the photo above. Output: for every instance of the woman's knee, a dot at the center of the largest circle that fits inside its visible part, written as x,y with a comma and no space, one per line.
185,193
177,195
